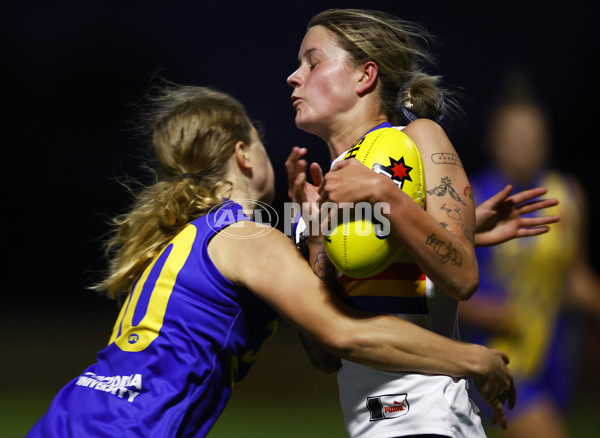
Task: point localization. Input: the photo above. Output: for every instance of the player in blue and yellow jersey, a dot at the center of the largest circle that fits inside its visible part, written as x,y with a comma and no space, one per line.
202,283
526,283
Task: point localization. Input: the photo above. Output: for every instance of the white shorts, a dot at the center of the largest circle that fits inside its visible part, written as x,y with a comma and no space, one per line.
385,405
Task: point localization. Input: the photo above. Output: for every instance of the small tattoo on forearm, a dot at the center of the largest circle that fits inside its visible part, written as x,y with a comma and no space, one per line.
468,232
324,269
445,251
446,188
319,357
453,213
445,158
469,193
322,266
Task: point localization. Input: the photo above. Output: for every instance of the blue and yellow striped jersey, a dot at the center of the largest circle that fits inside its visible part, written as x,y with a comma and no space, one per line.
183,338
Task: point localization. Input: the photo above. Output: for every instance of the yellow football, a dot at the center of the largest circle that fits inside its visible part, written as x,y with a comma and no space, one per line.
360,244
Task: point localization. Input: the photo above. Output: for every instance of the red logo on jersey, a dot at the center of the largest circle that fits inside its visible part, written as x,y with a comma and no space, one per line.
383,407
397,407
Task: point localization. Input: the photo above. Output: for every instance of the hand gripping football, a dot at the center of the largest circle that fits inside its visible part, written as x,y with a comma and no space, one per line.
359,245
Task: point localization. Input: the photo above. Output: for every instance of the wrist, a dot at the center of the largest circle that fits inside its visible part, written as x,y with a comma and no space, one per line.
316,240
475,359
389,193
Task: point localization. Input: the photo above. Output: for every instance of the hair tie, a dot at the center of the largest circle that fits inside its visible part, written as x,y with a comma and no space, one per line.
403,103
189,175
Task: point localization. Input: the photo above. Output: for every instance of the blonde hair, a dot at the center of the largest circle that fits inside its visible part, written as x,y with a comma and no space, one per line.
397,46
194,132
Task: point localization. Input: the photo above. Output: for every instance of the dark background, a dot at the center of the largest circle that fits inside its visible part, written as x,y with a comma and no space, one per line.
75,71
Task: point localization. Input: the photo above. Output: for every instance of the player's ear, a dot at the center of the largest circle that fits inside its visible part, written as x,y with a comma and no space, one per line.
368,78
242,157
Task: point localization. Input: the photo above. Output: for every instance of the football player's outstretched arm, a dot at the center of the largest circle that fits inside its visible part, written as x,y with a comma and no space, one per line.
279,275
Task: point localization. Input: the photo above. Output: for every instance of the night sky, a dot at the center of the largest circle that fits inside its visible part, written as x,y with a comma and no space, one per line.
75,71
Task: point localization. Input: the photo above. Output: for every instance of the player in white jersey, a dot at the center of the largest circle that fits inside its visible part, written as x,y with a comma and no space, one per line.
498,219
378,403
358,71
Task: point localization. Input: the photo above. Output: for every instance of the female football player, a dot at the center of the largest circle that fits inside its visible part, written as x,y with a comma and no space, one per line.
360,71
202,284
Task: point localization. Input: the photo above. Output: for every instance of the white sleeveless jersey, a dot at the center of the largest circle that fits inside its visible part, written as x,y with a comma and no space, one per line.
383,404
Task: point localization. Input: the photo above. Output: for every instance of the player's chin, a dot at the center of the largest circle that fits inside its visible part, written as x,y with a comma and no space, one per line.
307,124
300,122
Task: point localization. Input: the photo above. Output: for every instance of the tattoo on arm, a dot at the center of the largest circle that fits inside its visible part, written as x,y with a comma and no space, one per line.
321,265
323,268
468,192
445,158
446,188
320,358
453,213
445,251
468,232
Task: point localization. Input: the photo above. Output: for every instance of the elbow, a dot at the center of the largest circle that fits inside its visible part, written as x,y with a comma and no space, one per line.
466,284
461,287
467,287
340,344
343,344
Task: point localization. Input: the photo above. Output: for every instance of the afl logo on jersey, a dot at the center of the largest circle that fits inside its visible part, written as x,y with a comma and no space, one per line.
133,338
383,407
227,213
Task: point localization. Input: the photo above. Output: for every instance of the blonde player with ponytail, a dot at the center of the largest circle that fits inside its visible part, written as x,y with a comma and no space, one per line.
202,284
360,71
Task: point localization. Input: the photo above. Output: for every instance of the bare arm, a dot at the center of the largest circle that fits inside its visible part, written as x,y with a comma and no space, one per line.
439,238
449,254
279,275
304,193
318,260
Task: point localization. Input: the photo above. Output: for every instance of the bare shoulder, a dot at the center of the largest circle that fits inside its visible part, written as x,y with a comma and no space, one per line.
429,137
246,245
434,145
